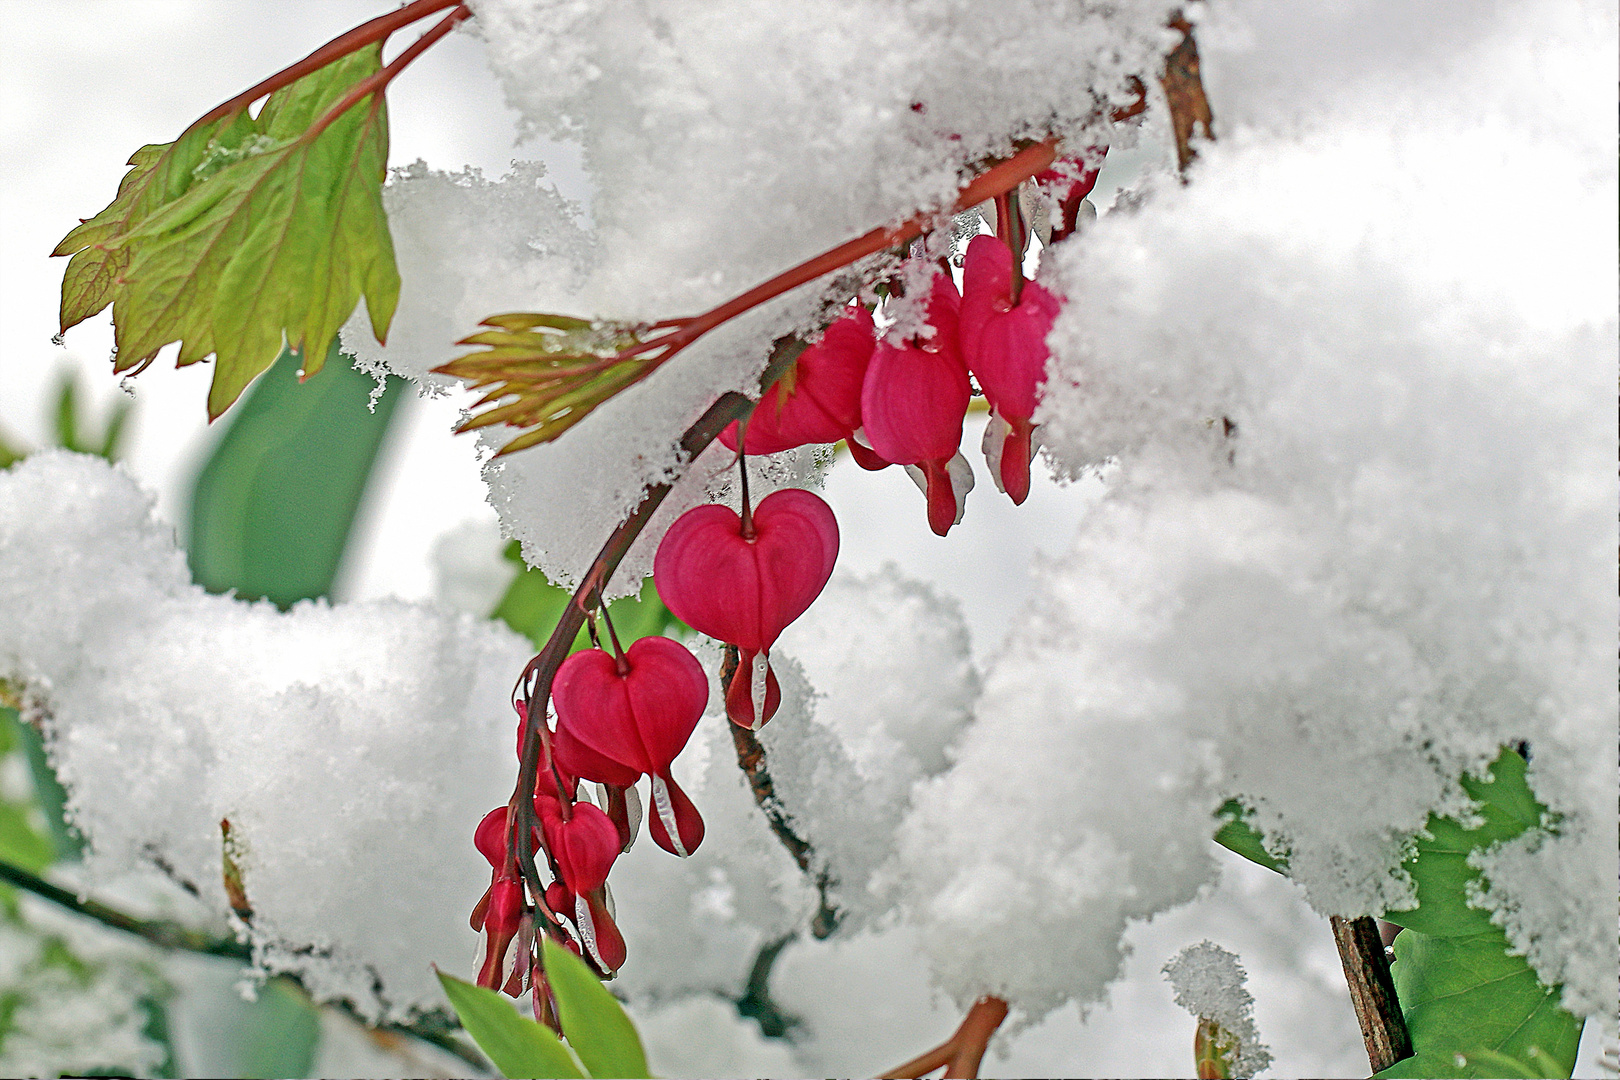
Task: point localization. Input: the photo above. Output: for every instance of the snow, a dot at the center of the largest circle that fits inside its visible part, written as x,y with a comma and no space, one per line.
352,748
1208,982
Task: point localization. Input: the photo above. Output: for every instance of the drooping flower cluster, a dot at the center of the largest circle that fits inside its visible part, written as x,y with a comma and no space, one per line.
743,577
902,400
620,715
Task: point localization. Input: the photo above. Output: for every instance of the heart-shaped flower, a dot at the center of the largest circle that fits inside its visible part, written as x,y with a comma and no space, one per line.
1005,348
914,399
746,590
818,399
637,718
584,846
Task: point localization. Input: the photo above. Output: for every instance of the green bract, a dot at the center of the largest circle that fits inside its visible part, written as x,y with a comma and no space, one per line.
243,231
597,1029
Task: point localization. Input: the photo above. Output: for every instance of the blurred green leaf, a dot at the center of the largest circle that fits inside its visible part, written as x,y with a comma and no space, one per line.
518,1046
593,1021
280,1038
65,841
532,605
21,844
273,507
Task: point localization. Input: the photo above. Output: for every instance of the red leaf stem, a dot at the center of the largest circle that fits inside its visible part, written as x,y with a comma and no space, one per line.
375,83
365,34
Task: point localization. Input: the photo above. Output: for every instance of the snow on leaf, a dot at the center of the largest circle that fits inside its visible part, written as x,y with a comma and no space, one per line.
245,230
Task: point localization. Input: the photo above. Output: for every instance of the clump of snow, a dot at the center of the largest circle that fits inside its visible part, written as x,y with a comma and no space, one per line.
900,685
706,181
1209,983
352,748
470,573
1361,535
703,1036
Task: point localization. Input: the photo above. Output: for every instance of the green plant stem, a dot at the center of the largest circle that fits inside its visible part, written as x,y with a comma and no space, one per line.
162,933
172,936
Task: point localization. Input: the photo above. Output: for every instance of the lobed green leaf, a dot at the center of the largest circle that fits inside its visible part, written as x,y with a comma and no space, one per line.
244,232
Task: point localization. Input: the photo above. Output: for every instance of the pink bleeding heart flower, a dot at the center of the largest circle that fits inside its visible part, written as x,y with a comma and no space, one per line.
1005,348
914,399
490,837
619,718
746,589
1070,180
501,924
584,846
818,399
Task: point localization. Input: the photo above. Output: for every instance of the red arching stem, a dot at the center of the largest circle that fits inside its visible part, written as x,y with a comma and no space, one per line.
365,34
535,683
374,83
987,185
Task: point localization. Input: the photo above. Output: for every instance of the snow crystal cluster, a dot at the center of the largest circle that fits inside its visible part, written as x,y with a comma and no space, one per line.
351,748
1209,984
725,144
1362,537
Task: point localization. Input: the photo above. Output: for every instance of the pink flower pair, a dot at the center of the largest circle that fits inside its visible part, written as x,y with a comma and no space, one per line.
916,392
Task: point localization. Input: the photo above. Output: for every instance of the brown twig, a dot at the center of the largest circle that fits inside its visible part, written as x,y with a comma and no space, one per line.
1372,991
961,1053
1184,90
751,760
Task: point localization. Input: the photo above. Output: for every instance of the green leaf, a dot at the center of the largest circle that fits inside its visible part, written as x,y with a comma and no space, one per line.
272,508
532,605
594,1022
1464,997
518,1046
1463,994
243,230
280,1034
1439,862
1236,834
